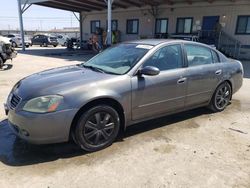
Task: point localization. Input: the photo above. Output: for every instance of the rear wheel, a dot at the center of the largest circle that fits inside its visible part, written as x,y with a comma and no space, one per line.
97,128
221,97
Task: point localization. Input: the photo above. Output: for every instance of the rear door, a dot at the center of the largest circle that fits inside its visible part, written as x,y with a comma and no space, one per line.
156,95
203,74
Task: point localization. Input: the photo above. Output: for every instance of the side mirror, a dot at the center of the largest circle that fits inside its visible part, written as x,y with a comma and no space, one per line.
149,71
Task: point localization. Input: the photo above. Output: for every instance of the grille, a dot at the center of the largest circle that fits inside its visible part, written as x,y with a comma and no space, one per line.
14,101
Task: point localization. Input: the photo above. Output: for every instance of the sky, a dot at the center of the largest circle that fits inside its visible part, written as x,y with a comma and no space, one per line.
35,18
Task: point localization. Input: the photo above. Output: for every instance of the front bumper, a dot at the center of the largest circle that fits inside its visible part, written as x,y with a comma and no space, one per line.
41,128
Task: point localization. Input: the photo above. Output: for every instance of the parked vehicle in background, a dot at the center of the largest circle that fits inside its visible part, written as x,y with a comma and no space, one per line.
125,84
62,39
16,40
73,43
44,40
193,38
6,50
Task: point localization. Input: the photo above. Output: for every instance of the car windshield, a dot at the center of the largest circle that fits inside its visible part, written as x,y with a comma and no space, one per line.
119,59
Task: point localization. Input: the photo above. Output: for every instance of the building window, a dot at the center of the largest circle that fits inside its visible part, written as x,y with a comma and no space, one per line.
184,25
161,26
133,26
94,25
114,25
243,25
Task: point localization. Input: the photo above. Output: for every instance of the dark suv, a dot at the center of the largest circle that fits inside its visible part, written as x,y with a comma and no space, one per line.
44,40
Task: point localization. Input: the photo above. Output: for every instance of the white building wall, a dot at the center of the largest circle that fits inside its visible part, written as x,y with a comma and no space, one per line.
228,12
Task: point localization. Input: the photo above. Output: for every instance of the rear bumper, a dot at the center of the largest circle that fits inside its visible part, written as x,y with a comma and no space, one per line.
42,128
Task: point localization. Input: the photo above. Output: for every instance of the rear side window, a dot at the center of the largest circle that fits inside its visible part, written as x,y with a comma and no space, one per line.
198,55
215,57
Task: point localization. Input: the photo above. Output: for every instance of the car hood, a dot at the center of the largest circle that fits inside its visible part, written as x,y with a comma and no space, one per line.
58,81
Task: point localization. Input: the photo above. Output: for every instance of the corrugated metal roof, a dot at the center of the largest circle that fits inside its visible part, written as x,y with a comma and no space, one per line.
98,5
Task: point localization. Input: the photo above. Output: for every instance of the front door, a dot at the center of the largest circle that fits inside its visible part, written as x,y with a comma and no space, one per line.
156,95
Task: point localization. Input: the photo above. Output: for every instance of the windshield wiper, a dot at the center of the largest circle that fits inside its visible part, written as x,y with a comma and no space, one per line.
94,68
99,69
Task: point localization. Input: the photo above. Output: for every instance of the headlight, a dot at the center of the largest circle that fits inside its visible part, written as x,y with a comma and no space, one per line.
43,104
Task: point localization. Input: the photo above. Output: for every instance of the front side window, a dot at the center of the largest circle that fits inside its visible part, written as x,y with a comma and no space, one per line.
161,26
94,25
198,55
167,58
243,25
119,59
184,25
132,26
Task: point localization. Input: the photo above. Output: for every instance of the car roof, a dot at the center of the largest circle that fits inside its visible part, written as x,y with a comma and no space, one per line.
154,42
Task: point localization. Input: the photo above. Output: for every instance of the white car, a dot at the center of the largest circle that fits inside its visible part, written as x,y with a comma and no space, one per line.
62,39
16,40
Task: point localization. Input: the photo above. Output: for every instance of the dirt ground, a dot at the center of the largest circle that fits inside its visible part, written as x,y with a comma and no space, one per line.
191,149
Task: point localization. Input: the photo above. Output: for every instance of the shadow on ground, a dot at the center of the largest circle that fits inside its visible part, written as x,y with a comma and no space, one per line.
63,53
16,152
6,67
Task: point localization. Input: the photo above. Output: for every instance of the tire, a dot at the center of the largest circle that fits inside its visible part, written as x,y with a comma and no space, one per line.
14,45
97,128
1,63
221,97
45,45
55,45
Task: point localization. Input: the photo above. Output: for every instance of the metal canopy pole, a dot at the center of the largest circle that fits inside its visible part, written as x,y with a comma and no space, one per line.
20,12
109,32
81,30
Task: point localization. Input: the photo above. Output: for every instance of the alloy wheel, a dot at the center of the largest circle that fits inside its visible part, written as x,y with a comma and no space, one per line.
222,97
99,128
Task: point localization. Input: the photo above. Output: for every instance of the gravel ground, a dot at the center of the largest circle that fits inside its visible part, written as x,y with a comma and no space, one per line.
191,149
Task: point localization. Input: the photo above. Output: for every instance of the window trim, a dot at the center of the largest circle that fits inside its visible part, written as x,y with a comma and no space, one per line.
138,24
177,24
91,31
237,25
160,19
216,55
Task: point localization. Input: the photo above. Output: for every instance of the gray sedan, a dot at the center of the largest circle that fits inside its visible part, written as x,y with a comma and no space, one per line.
126,84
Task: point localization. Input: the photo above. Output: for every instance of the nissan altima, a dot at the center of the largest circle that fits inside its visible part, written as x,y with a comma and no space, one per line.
125,84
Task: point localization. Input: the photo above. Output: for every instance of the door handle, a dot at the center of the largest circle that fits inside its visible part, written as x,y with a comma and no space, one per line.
182,81
218,72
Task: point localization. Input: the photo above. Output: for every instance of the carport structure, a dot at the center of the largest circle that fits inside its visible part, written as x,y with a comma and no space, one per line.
85,6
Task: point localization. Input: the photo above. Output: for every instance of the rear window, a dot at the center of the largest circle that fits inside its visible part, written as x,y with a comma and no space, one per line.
215,57
198,55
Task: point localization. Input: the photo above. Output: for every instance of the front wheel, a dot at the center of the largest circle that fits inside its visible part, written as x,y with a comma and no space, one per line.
221,97
14,45
1,63
97,128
